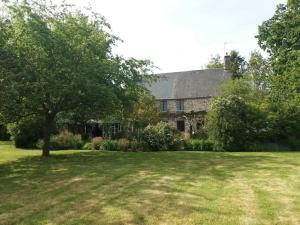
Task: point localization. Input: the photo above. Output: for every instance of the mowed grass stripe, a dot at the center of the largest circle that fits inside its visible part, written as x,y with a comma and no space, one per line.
94,187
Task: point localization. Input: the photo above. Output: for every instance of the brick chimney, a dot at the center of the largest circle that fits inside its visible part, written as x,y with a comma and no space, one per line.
227,62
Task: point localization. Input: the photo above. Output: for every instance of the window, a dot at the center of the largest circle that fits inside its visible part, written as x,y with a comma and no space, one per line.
163,105
180,125
200,125
116,129
180,105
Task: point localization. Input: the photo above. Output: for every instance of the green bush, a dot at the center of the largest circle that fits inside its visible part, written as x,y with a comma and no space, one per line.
26,132
4,136
64,140
201,145
267,147
159,137
294,143
136,146
233,124
88,146
109,145
283,125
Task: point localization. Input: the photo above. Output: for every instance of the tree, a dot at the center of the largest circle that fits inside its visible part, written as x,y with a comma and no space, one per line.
238,116
238,64
55,59
280,37
293,3
215,62
159,137
259,70
145,112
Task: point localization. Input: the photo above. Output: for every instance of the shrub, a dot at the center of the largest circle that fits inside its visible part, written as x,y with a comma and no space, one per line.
136,146
109,145
26,132
186,141
88,146
267,147
158,137
123,144
96,143
201,145
40,144
232,123
294,143
4,136
64,140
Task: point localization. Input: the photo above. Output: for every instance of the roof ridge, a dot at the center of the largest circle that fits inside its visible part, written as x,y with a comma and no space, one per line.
188,71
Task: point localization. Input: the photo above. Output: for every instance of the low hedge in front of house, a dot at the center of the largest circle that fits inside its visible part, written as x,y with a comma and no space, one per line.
200,145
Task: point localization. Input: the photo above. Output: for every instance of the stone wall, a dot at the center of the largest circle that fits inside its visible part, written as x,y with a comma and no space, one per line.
194,104
190,105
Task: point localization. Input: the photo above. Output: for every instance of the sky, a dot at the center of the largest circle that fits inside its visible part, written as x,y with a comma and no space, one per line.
180,35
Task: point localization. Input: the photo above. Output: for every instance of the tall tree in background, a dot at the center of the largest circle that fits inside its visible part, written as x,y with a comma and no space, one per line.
54,59
238,64
280,37
259,70
215,62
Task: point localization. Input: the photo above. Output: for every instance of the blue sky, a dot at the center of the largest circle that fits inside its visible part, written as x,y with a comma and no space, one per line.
182,34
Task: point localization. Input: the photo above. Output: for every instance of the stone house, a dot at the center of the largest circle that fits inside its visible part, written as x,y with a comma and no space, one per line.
184,97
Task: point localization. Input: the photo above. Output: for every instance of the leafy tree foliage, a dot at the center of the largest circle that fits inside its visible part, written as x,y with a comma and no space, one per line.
238,64
215,62
230,123
293,4
259,70
159,137
55,59
237,117
284,107
145,112
26,132
280,37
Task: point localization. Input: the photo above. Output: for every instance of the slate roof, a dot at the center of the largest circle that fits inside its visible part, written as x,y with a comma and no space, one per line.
189,84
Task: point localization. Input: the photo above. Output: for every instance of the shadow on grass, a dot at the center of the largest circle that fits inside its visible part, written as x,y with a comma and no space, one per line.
137,184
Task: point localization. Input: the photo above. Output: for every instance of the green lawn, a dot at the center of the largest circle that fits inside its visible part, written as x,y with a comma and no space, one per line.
93,187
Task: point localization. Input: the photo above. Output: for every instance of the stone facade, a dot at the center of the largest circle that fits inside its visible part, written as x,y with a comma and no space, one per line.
195,88
192,115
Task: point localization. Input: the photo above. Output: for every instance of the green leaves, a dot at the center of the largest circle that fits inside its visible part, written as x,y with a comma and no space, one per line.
238,65
215,62
280,37
259,70
55,59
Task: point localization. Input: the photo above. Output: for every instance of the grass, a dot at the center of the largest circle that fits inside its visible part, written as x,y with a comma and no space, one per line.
94,187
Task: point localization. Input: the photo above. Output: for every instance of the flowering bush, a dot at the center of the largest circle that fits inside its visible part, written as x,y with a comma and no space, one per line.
96,143
158,137
64,140
123,144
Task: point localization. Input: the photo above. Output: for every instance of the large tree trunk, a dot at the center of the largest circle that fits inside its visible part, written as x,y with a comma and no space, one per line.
49,121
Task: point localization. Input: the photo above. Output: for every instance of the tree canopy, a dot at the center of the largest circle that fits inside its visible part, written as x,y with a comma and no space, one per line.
259,70
280,37
57,59
238,64
215,62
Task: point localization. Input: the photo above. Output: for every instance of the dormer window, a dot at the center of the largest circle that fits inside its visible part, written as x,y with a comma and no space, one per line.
180,105
163,105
